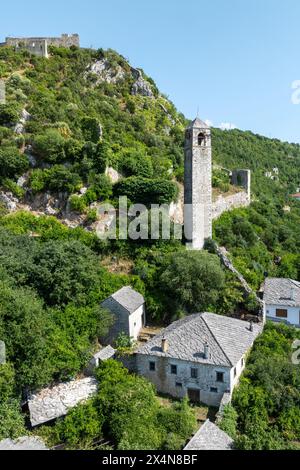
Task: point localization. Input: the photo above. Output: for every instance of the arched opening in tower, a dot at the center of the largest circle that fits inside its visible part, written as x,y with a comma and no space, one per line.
201,139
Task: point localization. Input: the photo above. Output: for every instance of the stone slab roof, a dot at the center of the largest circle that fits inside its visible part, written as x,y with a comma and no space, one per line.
210,437
228,339
23,443
51,403
281,291
129,298
106,353
198,123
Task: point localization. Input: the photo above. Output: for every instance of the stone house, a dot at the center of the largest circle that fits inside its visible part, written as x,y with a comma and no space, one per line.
128,309
201,356
282,300
210,437
53,402
23,443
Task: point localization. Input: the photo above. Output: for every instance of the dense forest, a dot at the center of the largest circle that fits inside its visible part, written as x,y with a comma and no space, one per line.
53,278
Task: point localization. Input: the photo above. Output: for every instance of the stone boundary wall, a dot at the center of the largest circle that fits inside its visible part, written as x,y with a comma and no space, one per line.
226,399
227,203
222,204
224,257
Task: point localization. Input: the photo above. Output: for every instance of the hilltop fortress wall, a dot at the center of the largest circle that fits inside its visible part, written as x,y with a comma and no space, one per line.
39,45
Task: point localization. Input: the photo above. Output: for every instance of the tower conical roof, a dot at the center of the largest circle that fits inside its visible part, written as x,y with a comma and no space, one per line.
198,123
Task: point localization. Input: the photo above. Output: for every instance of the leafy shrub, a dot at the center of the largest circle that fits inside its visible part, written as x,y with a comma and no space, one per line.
9,114
60,178
12,162
101,188
78,203
133,163
229,421
37,180
91,129
81,427
91,215
50,146
12,423
11,186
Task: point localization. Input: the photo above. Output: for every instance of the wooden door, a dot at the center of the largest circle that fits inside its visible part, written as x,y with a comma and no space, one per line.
194,395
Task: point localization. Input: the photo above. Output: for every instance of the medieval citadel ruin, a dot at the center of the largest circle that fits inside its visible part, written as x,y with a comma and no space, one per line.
39,45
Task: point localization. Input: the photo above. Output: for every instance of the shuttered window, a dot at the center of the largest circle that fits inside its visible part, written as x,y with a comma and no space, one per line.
281,313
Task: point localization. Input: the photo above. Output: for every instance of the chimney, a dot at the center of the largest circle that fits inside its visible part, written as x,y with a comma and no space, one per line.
206,350
251,325
292,294
164,345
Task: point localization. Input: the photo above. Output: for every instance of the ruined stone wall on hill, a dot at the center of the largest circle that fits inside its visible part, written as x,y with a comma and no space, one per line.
227,203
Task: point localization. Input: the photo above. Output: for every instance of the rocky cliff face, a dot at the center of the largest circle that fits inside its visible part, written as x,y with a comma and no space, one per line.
106,72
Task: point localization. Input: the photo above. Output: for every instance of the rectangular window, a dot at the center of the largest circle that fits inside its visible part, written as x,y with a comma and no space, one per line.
173,369
243,362
194,373
213,389
178,384
234,371
281,313
220,376
151,365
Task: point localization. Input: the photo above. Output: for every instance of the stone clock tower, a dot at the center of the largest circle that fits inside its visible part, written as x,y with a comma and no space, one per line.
197,184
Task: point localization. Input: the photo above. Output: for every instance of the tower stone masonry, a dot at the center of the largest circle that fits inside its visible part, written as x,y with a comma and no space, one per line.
197,184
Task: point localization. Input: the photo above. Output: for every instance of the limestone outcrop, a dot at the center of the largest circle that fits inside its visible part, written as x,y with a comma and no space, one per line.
106,73
141,86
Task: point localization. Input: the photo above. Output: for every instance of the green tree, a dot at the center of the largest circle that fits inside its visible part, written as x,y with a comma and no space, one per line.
63,272
228,423
81,428
192,281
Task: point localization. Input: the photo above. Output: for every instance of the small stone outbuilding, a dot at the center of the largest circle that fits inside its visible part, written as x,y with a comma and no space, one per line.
128,309
210,437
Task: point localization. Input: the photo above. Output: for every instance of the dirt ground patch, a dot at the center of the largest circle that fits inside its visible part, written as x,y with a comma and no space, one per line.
117,265
202,412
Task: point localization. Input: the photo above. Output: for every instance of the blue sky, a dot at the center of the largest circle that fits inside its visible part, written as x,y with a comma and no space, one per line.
234,59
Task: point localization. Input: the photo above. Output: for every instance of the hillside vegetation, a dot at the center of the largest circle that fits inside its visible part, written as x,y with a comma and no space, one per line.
67,119
265,411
